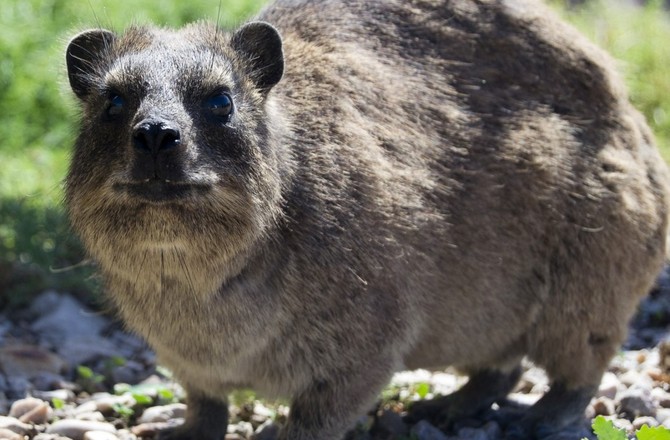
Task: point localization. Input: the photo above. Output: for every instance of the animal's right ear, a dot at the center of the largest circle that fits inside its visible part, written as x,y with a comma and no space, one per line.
260,45
82,55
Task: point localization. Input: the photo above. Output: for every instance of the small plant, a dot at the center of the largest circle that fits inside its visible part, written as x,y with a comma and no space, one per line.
605,430
89,380
124,412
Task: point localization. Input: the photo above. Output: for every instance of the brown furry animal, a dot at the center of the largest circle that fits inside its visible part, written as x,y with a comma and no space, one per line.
304,208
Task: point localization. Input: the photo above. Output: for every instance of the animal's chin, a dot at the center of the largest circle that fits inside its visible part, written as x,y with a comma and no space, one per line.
159,191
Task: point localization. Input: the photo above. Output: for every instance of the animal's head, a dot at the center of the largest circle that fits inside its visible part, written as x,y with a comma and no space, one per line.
177,143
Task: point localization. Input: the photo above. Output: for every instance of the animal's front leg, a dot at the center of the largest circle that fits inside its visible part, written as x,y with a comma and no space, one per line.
329,407
206,419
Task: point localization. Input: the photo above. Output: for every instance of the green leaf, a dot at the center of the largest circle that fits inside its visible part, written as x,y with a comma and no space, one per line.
57,403
165,394
657,433
605,430
122,410
422,389
142,399
85,372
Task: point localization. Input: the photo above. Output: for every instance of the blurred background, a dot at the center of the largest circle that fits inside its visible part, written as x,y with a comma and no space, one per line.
38,114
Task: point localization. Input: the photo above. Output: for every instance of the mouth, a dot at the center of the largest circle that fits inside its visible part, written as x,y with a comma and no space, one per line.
162,190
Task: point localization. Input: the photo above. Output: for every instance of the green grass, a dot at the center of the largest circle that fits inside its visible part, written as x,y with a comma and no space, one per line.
37,117
37,111
638,38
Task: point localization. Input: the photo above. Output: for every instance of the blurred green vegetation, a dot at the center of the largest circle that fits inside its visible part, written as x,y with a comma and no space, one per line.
38,113
639,38
37,126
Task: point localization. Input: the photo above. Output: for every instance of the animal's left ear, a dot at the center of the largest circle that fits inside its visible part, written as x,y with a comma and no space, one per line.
260,46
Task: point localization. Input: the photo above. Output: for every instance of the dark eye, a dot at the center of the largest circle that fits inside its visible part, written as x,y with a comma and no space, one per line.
220,105
115,105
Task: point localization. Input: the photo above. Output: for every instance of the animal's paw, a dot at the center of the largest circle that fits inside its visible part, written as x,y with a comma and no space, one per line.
186,432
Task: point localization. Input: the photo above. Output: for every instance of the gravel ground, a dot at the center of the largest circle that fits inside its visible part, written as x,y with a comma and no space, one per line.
69,373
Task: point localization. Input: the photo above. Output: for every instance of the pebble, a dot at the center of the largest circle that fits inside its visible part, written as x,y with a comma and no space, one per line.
610,385
639,422
45,436
662,414
75,429
105,403
6,434
94,416
100,435
472,434
25,360
424,430
63,395
244,429
633,393
635,402
15,425
390,423
603,406
163,413
31,410
267,431
151,429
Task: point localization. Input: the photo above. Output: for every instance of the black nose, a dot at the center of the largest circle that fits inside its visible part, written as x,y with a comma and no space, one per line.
154,137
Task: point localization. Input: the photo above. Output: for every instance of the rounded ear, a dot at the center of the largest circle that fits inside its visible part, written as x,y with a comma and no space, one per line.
81,56
260,46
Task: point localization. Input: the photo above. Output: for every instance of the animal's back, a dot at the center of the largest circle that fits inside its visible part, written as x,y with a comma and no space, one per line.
493,151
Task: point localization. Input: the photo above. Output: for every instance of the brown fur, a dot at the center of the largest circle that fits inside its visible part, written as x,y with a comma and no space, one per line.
431,183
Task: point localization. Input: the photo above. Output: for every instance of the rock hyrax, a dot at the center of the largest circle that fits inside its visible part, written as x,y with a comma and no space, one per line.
343,189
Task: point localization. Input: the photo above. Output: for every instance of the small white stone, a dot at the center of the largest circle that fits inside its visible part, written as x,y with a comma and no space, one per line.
610,385
163,413
75,429
15,425
31,410
100,435
6,434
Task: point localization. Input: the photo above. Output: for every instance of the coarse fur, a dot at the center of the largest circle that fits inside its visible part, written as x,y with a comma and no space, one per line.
398,184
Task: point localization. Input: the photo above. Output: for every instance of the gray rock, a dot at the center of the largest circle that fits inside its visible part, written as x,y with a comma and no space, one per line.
635,402
45,436
472,434
390,423
662,414
610,385
67,319
94,416
25,360
163,413
15,425
243,429
425,431
492,430
152,429
46,381
6,434
31,410
603,406
86,348
18,387
100,435
105,403
64,395
75,429
645,420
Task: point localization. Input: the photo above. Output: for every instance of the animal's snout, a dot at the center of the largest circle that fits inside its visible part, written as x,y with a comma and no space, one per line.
155,137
